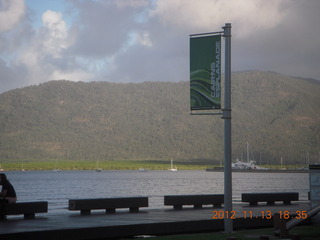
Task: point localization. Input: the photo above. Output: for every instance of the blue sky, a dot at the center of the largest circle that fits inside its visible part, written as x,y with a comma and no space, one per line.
148,40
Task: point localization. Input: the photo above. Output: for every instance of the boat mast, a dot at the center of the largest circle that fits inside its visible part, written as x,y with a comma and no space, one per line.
248,158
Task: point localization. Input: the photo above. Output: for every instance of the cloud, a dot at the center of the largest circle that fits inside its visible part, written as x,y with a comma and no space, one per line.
103,27
171,21
206,15
290,47
55,33
11,12
44,56
148,40
9,77
131,3
104,33
78,74
142,38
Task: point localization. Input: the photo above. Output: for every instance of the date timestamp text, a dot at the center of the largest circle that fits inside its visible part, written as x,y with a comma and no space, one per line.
265,214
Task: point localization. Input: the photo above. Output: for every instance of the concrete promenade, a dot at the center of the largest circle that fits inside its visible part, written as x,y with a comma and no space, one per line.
71,225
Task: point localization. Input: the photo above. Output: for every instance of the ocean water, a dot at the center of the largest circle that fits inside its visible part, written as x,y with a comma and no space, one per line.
57,187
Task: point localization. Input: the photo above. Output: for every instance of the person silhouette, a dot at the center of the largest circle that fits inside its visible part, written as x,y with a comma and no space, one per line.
7,195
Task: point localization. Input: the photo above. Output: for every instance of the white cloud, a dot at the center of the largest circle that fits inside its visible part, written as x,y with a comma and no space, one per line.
31,59
73,75
55,33
11,12
44,50
142,38
208,15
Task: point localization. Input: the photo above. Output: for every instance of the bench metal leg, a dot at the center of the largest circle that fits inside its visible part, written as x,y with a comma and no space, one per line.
85,212
177,207
29,216
134,209
110,210
253,203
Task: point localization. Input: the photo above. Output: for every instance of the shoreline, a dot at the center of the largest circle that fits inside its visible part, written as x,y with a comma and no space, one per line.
146,165
261,171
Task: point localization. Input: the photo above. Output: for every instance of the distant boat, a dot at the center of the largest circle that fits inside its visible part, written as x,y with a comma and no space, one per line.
55,167
22,169
142,170
173,169
239,165
249,165
98,169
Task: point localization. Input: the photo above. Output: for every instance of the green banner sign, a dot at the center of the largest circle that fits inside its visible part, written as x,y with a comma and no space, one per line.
205,72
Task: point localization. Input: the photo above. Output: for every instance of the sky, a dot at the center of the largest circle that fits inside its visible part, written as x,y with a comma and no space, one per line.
148,40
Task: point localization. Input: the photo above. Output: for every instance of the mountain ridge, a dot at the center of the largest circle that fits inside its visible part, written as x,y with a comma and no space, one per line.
278,115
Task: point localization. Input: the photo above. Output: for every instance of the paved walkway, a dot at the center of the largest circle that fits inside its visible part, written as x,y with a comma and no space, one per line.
98,225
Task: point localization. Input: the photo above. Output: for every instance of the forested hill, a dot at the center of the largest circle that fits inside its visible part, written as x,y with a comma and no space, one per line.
279,116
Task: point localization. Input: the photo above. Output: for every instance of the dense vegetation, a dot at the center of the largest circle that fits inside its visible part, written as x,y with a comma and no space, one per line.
61,120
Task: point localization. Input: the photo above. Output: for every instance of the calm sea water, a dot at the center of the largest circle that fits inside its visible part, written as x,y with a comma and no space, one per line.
60,186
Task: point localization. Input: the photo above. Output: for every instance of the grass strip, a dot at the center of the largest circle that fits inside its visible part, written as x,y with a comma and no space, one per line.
90,165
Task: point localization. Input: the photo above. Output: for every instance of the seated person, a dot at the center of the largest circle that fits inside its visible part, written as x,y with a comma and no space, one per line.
8,193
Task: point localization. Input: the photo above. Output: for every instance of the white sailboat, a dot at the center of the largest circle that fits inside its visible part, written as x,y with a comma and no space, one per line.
55,166
249,165
142,170
173,169
98,169
22,169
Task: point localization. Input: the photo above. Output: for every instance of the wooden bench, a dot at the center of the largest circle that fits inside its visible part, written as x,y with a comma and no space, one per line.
28,209
177,201
270,198
109,204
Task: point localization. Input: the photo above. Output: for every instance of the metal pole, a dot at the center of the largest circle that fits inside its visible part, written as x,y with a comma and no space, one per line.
228,224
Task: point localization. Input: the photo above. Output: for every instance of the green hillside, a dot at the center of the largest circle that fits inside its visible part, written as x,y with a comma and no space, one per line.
277,115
